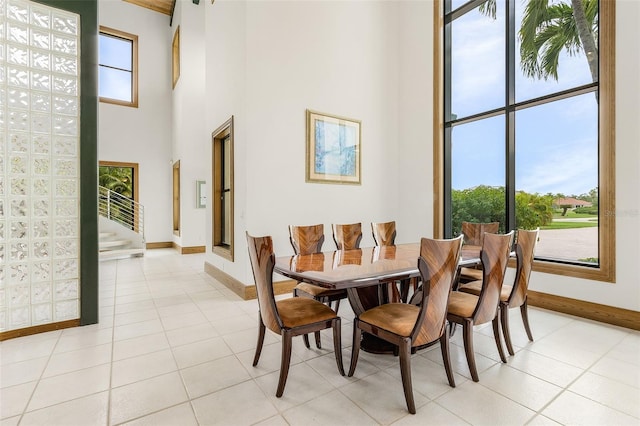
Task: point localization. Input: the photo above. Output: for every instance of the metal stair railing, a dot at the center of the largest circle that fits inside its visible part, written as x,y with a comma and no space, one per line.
121,209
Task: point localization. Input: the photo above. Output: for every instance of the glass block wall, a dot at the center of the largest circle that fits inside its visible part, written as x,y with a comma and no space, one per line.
39,164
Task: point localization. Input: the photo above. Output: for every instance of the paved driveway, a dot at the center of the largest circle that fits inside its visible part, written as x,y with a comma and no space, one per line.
572,244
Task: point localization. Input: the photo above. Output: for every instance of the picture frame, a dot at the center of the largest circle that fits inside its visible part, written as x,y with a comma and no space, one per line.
333,149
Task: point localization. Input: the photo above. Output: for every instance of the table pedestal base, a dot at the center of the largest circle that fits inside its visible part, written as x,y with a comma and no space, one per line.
375,345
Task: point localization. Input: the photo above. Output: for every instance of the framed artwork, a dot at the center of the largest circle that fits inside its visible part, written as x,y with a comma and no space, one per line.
333,149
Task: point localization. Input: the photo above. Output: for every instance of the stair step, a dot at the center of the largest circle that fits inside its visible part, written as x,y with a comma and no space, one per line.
120,253
106,245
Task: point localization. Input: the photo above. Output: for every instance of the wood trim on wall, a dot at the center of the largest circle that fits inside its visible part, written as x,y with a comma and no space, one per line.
189,250
159,245
246,292
579,308
36,329
181,250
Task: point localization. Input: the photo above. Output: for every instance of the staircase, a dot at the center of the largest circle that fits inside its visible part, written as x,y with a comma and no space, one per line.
121,225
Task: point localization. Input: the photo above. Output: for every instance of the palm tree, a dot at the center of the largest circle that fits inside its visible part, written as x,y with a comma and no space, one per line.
547,29
117,179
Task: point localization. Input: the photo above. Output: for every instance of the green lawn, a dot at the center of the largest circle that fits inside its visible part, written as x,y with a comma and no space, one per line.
572,215
569,225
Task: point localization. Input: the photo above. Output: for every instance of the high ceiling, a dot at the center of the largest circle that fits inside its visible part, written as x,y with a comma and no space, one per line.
162,6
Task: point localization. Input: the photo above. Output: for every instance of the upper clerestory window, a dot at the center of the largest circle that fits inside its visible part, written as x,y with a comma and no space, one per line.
118,67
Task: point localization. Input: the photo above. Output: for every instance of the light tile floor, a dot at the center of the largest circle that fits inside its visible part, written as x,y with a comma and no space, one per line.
175,347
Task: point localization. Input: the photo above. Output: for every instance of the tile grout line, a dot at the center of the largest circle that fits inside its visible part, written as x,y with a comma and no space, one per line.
35,388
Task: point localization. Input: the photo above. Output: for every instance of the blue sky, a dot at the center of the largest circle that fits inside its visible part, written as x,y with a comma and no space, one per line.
115,84
556,144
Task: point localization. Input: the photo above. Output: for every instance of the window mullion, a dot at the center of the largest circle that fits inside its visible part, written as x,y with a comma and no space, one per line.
446,175
510,121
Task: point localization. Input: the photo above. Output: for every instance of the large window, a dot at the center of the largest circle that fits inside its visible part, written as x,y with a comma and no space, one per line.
118,63
527,125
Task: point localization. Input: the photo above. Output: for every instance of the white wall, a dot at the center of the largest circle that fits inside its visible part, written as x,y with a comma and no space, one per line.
190,141
415,92
143,135
284,57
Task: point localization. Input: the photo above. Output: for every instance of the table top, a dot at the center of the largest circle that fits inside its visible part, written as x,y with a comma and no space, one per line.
360,267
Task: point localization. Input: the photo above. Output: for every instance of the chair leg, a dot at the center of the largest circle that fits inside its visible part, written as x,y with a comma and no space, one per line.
337,305
261,330
504,321
284,362
405,370
452,329
305,337
355,347
337,343
496,335
317,336
467,335
525,319
446,358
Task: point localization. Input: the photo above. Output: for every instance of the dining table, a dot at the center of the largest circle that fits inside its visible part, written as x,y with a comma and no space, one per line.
364,273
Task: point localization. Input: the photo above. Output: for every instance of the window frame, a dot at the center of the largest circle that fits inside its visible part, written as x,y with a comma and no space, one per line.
176,198
606,143
218,137
134,66
175,58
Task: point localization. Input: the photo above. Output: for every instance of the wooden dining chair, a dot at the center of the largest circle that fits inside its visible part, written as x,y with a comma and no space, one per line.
473,233
384,233
514,296
287,317
469,310
347,236
409,326
309,240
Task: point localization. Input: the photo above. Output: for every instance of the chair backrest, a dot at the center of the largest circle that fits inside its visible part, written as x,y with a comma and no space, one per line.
262,262
474,232
438,263
525,246
347,237
306,239
384,233
494,256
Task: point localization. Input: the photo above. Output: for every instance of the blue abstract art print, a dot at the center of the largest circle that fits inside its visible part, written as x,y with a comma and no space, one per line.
333,149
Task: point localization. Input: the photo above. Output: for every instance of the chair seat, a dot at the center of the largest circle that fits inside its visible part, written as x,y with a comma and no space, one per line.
317,291
470,274
397,318
474,287
299,311
462,304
